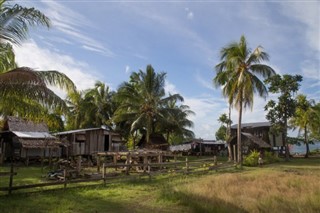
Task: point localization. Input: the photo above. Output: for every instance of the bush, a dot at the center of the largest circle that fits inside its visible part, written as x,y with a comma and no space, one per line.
252,158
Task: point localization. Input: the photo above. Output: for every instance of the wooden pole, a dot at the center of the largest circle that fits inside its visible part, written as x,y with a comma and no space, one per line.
128,162
187,165
65,178
79,164
11,177
234,153
104,174
98,163
145,162
115,156
160,159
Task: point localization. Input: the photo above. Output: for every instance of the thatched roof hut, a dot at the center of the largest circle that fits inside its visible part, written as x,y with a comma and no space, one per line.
25,139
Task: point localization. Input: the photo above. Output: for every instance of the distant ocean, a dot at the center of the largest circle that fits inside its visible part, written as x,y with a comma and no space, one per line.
302,148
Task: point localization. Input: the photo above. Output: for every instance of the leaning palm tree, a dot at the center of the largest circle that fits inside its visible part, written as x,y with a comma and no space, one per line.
238,73
24,84
142,101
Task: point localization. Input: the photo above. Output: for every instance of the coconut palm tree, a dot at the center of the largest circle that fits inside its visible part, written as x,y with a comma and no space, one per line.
176,122
143,102
305,118
21,87
26,84
102,105
238,73
15,21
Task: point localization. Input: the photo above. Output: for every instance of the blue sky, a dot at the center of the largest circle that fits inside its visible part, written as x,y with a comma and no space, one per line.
107,40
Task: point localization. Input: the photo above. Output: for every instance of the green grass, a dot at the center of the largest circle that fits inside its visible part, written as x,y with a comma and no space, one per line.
292,186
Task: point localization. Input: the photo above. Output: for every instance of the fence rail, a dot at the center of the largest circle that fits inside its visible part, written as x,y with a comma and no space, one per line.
147,168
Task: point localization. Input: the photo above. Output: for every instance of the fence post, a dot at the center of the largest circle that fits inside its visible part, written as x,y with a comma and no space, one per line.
145,162
65,178
149,168
115,156
215,160
187,165
160,160
98,163
104,174
128,162
11,177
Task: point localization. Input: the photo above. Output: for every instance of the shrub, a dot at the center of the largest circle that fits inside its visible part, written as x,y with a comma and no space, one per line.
252,158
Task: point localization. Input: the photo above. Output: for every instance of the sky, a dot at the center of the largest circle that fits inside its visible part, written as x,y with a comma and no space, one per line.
108,40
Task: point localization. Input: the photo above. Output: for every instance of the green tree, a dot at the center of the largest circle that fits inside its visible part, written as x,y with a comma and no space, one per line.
142,101
23,91
238,73
225,136
176,123
100,104
221,135
280,112
15,22
306,118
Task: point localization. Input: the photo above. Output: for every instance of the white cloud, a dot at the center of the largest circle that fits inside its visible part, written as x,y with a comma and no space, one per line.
33,56
305,12
74,25
190,15
127,69
205,83
170,88
311,70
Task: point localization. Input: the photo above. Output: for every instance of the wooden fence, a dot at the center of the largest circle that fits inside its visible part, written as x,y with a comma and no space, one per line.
128,170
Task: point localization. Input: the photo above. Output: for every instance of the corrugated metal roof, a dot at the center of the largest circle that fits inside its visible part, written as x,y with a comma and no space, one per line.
36,143
251,125
42,135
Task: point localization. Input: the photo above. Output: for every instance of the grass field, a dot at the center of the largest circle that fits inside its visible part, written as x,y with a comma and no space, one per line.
284,187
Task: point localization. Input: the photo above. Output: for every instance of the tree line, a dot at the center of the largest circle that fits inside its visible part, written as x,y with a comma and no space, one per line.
139,107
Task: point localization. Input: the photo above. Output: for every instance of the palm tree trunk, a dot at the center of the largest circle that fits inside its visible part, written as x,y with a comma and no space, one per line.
285,138
228,136
239,135
306,141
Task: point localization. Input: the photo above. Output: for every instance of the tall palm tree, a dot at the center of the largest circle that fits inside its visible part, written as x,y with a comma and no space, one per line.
142,101
305,118
238,73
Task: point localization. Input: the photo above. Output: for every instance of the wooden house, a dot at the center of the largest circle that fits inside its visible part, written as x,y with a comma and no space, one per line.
199,147
256,136
89,141
25,139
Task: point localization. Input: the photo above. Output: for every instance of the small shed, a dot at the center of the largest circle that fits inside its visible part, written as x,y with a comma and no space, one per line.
90,141
25,139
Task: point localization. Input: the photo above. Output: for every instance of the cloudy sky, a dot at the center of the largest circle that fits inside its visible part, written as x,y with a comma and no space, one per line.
107,40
